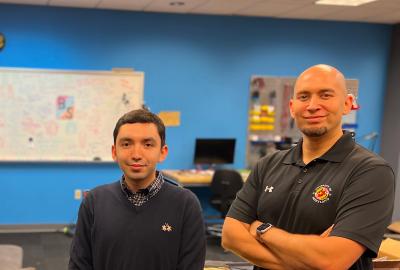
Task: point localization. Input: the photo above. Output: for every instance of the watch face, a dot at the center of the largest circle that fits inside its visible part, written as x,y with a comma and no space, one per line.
264,227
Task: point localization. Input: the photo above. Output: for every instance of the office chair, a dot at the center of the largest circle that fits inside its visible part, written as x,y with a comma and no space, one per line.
11,257
224,186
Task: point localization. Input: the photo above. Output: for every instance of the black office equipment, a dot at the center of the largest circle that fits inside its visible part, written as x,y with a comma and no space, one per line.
214,151
224,186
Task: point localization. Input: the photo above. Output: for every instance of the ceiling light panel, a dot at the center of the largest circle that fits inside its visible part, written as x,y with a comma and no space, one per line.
352,3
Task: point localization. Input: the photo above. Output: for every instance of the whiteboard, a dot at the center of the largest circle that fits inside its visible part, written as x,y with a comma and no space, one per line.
58,115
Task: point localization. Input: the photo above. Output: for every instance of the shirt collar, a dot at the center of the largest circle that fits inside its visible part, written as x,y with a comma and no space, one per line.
149,191
336,153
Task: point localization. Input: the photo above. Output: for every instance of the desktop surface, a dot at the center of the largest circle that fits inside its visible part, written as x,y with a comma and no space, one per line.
196,177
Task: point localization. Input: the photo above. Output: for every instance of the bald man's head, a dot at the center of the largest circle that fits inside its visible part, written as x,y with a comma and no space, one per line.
321,73
319,101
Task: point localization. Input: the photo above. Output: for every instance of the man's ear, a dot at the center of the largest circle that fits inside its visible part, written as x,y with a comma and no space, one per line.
348,104
164,153
114,152
291,108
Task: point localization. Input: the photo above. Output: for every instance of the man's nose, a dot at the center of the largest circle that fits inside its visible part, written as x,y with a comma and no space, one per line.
136,152
313,104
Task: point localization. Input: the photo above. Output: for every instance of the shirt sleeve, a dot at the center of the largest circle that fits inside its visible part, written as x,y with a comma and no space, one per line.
81,249
365,208
244,207
192,250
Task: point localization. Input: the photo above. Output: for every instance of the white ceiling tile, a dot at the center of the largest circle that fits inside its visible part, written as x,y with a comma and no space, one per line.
165,6
223,6
124,4
384,4
390,17
381,11
74,3
290,1
357,13
382,20
311,12
27,2
270,8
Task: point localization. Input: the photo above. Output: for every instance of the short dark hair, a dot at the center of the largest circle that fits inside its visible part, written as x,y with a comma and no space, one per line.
141,116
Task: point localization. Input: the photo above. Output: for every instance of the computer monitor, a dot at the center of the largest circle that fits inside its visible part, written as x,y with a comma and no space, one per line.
214,151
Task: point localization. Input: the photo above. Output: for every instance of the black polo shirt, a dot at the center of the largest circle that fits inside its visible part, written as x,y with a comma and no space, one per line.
348,186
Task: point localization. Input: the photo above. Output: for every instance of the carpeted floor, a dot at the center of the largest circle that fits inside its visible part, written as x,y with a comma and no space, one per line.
50,251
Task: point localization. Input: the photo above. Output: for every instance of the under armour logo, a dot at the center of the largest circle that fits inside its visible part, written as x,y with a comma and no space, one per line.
269,188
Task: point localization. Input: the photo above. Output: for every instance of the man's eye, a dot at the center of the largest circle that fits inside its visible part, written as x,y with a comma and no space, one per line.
326,95
148,144
125,144
302,97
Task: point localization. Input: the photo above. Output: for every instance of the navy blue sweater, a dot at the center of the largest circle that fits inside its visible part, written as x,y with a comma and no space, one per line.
165,233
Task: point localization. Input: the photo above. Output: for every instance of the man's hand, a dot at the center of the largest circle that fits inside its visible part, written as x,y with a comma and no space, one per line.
279,249
327,232
240,238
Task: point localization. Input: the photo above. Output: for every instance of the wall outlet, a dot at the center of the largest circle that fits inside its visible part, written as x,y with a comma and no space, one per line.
78,194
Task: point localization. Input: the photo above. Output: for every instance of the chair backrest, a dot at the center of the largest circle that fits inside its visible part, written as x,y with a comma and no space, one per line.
226,183
224,186
10,257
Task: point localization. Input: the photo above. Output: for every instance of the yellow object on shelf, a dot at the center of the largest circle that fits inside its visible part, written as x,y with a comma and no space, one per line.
265,110
268,108
262,119
261,127
267,119
254,112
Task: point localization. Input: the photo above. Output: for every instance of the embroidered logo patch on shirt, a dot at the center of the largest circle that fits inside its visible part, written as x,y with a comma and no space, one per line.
269,189
322,193
166,227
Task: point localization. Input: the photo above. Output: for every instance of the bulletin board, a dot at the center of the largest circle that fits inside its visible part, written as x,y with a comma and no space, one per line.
59,115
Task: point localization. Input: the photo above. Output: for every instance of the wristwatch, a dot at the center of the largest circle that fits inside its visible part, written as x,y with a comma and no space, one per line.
263,228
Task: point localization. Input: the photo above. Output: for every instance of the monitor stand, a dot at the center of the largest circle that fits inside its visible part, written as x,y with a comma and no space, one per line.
209,167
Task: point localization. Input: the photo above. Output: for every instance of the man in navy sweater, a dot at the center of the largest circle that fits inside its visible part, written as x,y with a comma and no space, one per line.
141,221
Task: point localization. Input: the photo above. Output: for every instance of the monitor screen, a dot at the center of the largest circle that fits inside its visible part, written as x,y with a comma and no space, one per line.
214,151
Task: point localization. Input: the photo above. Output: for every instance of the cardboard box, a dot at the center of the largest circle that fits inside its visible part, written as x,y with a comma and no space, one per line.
388,256
390,249
386,264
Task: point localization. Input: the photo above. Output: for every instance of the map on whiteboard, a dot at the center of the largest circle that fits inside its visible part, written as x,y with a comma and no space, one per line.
63,115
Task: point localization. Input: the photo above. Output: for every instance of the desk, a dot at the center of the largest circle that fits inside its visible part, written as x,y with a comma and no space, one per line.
193,178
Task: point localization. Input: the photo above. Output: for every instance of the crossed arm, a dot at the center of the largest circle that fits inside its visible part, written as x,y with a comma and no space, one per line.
278,249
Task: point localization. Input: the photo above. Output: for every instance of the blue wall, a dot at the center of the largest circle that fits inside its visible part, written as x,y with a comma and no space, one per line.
199,65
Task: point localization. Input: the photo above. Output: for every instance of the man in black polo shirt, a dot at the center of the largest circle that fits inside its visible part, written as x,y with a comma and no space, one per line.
325,203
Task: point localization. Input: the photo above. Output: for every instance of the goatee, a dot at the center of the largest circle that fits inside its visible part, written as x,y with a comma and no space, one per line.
314,132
